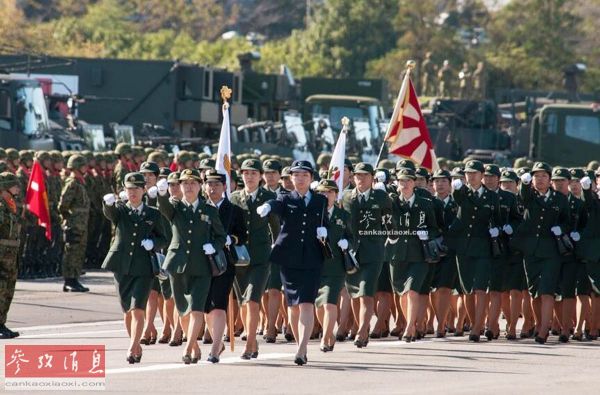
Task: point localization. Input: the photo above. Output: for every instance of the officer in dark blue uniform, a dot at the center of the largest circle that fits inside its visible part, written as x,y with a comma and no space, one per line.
299,250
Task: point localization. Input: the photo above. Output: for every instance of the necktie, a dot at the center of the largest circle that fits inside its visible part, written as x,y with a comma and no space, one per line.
361,199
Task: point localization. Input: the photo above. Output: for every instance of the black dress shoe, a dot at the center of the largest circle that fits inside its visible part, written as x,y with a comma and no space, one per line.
300,360
385,333
137,358
563,338
408,339
340,338
130,358
361,343
375,335
324,349
212,359
527,334
73,285
270,339
187,359
289,337
440,335
489,334
6,333
459,334
474,338
246,355
511,337
555,332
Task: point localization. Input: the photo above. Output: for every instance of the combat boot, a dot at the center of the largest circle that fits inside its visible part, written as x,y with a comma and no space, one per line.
6,333
73,285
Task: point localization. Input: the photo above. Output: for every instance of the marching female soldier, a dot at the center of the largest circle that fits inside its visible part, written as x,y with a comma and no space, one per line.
197,232
138,231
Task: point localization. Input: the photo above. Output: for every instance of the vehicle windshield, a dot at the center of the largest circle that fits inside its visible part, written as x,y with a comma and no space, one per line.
31,110
371,112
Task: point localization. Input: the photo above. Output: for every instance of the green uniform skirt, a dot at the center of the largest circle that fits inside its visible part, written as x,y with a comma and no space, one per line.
499,273
274,281
445,273
474,273
543,275
190,292
593,272
408,276
253,281
329,290
364,282
584,286
384,284
133,291
515,274
568,278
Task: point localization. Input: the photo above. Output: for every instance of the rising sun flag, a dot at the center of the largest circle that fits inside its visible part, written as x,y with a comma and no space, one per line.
37,198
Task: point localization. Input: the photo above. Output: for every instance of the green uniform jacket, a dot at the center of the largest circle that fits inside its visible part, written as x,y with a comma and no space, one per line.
191,230
10,226
409,220
371,223
509,214
261,232
74,206
588,248
469,233
126,254
533,236
339,228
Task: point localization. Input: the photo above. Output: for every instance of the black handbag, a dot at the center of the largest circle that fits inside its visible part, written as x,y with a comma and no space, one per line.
564,244
431,253
218,263
351,265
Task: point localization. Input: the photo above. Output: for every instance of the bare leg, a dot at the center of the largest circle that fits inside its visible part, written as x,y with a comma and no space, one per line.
493,323
137,325
516,303
441,305
216,324
251,324
412,313
306,321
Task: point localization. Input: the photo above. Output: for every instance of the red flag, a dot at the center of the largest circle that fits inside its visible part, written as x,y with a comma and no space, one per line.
407,133
37,198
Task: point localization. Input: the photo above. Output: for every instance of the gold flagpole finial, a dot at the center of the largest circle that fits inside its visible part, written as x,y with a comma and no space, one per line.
345,123
225,95
411,64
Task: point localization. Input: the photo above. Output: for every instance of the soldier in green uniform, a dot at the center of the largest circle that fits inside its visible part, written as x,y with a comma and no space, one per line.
138,232
74,209
371,215
12,160
123,166
197,232
333,275
10,231
93,187
471,234
262,233
546,218
416,224
30,237
509,219
55,185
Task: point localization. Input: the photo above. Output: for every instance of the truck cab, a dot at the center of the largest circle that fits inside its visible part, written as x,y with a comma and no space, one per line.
565,134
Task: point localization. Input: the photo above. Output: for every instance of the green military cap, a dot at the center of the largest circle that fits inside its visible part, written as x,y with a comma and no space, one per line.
386,164
439,173
150,167
42,156
3,167
173,178
324,159
457,172
363,168
164,172
301,165
522,170
348,164
203,155
272,165
148,150
327,185
134,180
264,157
406,174
353,159
99,157
593,165
2,154
89,155
214,175
382,174
183,156
509,175
190,174
207,163
560,173
491,170
155,156
473,166
442,162
520,162
251,164
422,172
76,162
110,157
12,154
541,166
8,180
285,172
577,173
25,155
406,163
123,149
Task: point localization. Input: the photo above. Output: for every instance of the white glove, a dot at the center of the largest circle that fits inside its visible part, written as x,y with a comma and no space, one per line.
380,176
208,249
152,191
507,229
526,178
380,186
494,232
457,184
314,184
163,186
343,244
556,230
263,209
423,234
586,183
109,199
321,232
391,241
575,236
227,241
123,196
147,244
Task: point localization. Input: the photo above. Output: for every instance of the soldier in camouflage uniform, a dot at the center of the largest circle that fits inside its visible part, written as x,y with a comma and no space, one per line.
30,232
74,208
54,187
93,187
124,166
12,160
9,243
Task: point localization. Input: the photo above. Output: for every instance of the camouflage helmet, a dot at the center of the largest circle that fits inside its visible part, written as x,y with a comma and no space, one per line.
2,154
76,162
324,159
25,155
183,156
593,165
88,155
12,154
8,180
3,167
42,156
123,149
99,157
138,151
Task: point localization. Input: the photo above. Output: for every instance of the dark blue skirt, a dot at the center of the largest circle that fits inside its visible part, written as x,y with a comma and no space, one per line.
300,286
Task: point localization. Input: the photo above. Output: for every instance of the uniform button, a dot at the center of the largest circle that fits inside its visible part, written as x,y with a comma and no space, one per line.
191,222
302,231
305,214
303,223
131,253
543,210
247,232
190,231
468,235
541,217
539,226
470,226
132,244
135,234
473,217
189,242
135,225
187,251
302,240
475,208
537,234
406,241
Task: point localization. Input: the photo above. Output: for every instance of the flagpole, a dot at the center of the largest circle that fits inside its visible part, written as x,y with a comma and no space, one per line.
225,96
410,64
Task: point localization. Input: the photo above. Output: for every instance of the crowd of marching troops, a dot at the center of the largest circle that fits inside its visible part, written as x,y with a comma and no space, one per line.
441,254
